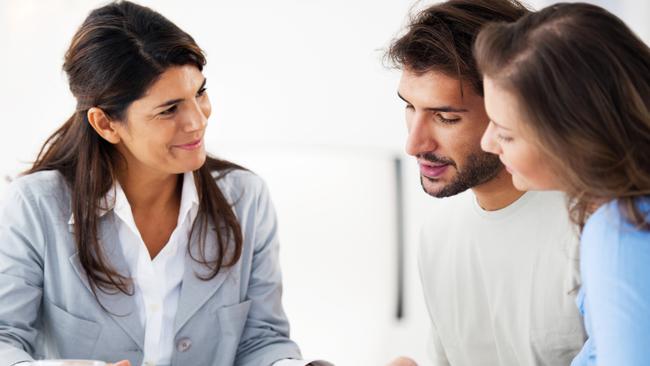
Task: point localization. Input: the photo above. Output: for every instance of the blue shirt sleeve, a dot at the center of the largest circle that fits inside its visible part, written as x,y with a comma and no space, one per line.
615,266
587,355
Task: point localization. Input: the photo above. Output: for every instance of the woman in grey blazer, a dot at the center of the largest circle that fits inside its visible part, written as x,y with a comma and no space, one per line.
125,241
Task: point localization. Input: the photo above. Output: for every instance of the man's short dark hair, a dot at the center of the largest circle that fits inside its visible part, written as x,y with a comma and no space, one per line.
440,37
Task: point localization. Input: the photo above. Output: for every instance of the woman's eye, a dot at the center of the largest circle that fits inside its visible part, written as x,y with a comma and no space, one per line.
169,111
504,138
201,92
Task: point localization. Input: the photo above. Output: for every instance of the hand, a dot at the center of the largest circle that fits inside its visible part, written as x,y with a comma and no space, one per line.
402,361
121,363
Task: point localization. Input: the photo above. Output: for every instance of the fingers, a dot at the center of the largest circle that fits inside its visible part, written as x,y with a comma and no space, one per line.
121,363
403,361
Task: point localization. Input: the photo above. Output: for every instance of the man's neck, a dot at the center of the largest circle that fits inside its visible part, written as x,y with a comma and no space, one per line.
497,193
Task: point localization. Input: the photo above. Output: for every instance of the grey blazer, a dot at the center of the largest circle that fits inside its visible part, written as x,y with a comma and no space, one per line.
47,309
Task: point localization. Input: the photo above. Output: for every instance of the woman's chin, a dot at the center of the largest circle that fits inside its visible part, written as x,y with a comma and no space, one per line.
197,164
520,184
190,165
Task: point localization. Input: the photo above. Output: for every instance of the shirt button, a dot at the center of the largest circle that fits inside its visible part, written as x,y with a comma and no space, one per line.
183,344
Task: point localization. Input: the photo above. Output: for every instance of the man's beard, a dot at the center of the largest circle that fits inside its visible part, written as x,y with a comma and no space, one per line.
479,168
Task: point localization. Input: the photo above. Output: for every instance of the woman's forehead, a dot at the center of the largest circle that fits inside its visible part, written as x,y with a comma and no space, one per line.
175,82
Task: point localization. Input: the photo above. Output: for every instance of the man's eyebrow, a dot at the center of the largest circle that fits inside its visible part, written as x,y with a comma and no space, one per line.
174,101
447,109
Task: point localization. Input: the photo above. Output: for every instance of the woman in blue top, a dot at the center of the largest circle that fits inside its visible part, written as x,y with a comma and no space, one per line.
567,90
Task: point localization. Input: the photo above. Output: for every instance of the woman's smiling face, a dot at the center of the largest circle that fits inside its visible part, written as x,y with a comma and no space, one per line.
163,131
507,137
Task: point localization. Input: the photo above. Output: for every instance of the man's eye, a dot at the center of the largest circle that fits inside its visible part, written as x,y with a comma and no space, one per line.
448,121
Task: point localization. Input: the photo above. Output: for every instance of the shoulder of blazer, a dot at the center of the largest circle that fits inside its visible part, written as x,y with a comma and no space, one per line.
40,185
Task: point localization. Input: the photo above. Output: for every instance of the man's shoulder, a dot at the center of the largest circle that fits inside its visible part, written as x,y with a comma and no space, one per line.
549,200
547,211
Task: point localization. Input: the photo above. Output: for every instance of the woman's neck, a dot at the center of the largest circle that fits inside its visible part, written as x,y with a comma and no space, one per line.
151,191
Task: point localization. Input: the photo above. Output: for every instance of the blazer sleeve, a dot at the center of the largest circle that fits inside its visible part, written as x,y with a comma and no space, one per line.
22,242
265,339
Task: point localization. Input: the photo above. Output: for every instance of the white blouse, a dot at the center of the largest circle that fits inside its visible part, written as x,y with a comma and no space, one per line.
158,281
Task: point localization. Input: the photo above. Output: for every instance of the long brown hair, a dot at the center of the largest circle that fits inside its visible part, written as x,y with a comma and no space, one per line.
119,51
440,37
582,78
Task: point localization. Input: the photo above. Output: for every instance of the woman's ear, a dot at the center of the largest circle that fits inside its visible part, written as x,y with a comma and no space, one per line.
103,125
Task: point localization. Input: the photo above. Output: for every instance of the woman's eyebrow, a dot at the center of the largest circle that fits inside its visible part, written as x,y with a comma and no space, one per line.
174,101
499,125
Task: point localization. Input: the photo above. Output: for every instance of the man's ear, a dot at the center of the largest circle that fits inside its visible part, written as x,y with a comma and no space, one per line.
103,125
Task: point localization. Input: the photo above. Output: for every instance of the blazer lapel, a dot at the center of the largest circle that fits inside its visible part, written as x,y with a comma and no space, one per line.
121,308
195,292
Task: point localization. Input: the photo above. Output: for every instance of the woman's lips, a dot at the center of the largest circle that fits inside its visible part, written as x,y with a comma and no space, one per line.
433,171
191,146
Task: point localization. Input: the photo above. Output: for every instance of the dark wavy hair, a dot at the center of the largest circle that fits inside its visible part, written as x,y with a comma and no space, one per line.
582,78
440,37
119,51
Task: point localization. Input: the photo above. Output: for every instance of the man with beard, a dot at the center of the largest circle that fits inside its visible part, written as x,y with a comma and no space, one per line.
499,267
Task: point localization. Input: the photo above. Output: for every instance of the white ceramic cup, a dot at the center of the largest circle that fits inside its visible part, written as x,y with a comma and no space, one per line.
65,363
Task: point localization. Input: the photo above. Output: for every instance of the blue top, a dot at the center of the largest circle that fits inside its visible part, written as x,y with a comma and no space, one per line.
615,294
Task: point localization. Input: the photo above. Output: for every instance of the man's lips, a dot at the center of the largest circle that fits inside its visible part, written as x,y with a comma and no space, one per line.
431,170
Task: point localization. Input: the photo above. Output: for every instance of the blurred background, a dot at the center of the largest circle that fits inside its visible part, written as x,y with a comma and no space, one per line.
301,96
